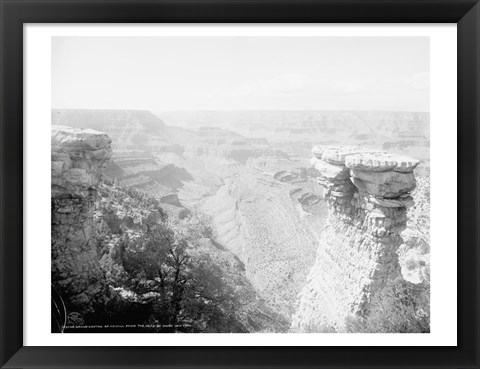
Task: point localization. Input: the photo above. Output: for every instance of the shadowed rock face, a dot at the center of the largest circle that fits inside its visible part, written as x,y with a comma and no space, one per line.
367,194
78,159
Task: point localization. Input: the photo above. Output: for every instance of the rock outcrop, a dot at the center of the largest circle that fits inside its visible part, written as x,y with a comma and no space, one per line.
368,194
129,130
78,159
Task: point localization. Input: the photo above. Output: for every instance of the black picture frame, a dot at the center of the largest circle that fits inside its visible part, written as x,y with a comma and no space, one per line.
15,13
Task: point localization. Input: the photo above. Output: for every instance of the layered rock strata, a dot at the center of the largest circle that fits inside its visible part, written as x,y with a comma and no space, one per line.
367,193
78,159
272,220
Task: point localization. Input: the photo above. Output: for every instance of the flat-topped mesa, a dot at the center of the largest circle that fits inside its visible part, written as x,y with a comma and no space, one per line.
78,159
367,194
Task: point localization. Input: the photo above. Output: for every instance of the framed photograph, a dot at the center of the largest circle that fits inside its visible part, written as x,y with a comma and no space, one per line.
239,184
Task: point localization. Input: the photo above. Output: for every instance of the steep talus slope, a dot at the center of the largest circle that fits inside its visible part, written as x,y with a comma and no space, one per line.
256,216
356,282
78,158
124,218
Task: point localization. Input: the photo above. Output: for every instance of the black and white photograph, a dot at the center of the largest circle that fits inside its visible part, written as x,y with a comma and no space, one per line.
240,184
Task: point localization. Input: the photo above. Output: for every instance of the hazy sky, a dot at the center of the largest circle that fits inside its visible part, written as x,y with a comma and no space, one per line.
237,73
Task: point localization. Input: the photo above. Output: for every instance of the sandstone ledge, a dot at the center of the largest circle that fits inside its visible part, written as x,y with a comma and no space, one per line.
79,138
354,157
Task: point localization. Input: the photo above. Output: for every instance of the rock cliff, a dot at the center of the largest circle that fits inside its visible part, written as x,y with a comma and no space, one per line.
356,270
78,159
100,230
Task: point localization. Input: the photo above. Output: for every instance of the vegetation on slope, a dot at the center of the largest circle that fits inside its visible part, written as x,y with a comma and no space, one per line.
166,274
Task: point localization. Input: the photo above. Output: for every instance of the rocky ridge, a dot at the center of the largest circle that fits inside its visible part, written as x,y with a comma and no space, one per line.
356,269
295,132
78,159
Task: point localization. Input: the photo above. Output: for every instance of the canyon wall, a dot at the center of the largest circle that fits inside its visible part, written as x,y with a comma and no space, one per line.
356,270
272,220
78,159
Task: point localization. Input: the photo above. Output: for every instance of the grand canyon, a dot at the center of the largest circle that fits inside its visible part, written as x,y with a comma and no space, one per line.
240,221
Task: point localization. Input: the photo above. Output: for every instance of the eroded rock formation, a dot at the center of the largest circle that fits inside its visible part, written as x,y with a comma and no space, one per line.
357,265
78,159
